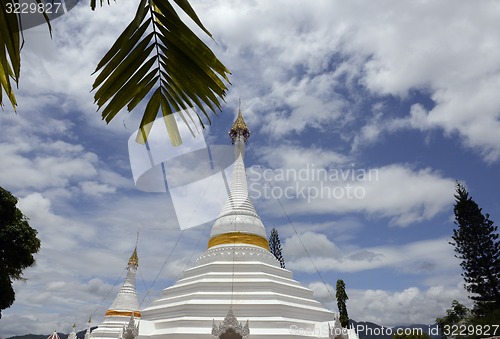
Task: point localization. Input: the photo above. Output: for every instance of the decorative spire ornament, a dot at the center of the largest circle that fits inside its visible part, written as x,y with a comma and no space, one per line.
134,259
131,331
239,128
72,335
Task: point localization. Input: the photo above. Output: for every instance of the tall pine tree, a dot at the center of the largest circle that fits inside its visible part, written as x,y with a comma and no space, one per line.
275,246
342,297
477,245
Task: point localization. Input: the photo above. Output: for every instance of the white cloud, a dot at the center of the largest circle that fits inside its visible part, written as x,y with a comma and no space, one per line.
391,308
426,257
81,264
55,231
95,189
318,181
304,242
295,62
62,66
70,302
409,306
295,158
343,229
453,56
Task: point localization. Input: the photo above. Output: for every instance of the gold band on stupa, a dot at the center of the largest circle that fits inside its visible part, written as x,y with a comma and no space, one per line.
137,314
238,238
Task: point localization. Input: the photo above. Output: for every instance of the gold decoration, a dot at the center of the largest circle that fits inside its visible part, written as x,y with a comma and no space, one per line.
137,314
134,259
239,128
240,123
238,238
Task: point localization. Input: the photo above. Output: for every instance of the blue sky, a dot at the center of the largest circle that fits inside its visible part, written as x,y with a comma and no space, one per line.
409,90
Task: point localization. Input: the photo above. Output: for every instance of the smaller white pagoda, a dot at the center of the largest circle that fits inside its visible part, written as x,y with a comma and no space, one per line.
121,319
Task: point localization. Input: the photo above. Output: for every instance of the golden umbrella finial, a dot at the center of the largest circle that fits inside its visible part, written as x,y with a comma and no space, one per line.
239,127
134,259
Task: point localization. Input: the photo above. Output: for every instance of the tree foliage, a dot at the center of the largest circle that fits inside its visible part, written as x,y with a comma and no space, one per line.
342,297
158,53
476,243
460,323
18,243
457,315
411,336
275,246
156,59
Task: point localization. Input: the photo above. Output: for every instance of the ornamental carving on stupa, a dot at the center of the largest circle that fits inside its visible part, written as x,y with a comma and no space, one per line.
230,324
131,331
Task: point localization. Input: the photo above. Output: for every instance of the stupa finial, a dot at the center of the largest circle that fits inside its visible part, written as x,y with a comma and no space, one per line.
134,259
72,335
87,333
239,127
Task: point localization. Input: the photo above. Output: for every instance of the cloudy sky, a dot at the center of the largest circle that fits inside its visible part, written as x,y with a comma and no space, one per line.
388,103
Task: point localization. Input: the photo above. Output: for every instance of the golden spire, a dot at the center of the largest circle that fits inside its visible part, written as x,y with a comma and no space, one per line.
134,259
239,127
238,222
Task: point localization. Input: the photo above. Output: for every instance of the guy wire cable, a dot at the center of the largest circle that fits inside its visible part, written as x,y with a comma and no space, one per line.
298,235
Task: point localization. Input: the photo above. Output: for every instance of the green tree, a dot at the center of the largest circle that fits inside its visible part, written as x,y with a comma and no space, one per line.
342,297
460,320
18,243
485,326
457,315
476,243
411,336
275,246
156,54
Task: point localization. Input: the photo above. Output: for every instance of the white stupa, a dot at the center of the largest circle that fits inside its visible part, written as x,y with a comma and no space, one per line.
237,288
122,317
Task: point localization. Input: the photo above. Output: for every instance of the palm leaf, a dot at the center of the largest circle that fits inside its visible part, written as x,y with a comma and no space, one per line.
158,53
10,51
10,48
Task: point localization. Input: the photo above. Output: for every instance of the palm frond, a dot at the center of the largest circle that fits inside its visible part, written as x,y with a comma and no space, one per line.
157,53
10,51
11,42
